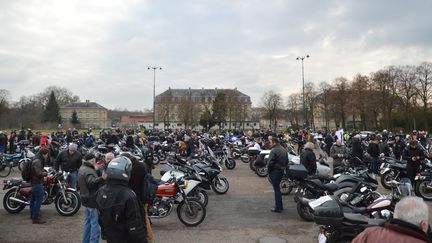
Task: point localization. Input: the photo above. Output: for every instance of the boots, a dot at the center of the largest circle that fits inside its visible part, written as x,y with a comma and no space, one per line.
38,221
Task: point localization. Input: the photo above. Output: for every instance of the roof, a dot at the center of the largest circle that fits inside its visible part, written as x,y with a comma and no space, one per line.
83,105
201,93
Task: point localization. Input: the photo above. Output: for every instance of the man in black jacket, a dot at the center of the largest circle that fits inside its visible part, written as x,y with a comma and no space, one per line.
89,183
121,214
413,155
308,158
37,179
399,147
70,160
277,162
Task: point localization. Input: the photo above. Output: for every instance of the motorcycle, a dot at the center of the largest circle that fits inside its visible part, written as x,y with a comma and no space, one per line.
338,226
193,189
189,211
66,200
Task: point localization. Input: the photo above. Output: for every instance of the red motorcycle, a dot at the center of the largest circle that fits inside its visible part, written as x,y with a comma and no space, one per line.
67,200
190,211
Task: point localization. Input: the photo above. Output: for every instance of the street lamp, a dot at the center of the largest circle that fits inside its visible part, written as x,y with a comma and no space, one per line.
304,107
154,90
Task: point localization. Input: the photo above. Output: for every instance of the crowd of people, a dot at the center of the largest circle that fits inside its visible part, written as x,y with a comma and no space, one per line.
111,190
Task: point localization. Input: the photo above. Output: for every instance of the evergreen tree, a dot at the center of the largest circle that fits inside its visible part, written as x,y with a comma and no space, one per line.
74,119
51,112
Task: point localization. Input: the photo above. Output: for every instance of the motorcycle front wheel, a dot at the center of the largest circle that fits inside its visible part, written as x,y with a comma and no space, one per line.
191,212
305,212
261,171
200,195
245,158
220,186
424,189
69,205
386,178
230,163
11,206
286,186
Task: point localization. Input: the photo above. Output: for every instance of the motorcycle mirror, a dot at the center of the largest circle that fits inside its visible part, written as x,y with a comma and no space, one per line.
363,189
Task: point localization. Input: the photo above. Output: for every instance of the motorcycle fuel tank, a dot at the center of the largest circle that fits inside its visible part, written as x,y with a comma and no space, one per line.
166,190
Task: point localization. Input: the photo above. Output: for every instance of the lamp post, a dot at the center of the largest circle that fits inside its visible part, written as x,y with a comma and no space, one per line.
154,90
304,106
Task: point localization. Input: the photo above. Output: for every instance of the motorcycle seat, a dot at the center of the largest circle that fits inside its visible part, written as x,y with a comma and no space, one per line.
360,219
218,153
331,187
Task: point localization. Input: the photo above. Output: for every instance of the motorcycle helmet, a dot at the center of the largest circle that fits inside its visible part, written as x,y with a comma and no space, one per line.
119,169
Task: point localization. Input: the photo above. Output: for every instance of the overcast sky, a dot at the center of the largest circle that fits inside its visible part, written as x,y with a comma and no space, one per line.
100,50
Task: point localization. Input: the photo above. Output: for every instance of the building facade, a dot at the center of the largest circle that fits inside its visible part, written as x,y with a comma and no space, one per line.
90,115
183,108
144,120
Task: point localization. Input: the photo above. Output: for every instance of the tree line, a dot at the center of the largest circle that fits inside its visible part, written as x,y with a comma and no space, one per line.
40,111
394,97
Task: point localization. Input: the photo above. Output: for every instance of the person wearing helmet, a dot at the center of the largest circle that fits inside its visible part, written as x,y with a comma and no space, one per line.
121,214
413,155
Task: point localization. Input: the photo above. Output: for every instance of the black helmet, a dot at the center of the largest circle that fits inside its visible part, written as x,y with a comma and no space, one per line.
119,169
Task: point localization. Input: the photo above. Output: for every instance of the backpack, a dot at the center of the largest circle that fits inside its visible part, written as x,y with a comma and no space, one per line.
26,171
148,189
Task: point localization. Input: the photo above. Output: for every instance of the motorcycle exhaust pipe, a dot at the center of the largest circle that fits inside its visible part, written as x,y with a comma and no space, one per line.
18,200
304,201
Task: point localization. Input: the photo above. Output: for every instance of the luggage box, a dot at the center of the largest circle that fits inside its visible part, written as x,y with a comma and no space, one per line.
297,172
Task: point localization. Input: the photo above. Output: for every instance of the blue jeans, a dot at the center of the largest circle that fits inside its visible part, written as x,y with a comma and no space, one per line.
36,200
276,177
72,179
91,232
374,165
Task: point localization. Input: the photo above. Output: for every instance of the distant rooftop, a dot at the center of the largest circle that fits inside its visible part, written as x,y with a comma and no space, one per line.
86,104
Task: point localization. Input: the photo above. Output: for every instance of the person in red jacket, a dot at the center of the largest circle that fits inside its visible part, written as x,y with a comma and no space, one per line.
410,224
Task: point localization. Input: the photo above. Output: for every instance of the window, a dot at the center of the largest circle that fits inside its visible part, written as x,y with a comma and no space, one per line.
179,124
95,115
247,124
88,114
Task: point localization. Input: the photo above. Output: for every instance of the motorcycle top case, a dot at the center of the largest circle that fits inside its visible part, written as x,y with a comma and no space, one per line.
329,213
297,172
253,151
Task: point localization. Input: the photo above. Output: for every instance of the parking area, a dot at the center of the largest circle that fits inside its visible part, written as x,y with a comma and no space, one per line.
241,215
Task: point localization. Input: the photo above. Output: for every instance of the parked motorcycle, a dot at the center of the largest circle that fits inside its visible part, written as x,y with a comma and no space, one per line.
66,200
189,211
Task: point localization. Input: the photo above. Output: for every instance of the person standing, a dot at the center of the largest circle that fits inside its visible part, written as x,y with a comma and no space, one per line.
37,179
121,215
357,149
399,147
413,155
3,142
308,158
374,152
70,160
338,152
277,162
136,183
12,139
89,183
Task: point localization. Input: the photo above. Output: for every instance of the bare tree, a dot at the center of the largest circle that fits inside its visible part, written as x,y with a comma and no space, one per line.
406,77
272,104
340,98
310,102
424,81
324,101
